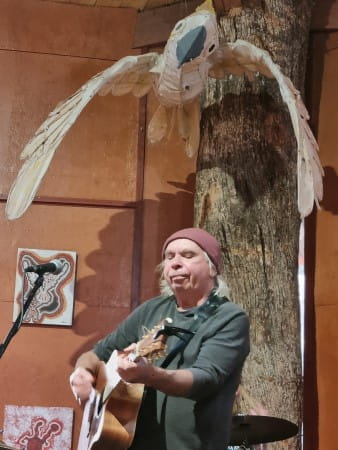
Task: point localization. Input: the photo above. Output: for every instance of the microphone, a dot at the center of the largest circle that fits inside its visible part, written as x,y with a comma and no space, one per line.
54,267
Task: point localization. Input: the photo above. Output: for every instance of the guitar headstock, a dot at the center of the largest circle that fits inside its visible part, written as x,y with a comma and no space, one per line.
153,344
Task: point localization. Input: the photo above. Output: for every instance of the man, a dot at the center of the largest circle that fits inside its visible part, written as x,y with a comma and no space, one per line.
188,404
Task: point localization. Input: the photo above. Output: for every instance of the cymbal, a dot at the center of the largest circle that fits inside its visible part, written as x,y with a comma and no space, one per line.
5,446
251,430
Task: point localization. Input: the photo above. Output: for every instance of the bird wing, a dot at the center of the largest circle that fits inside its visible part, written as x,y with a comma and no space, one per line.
243,58
188,118
129,74
159,123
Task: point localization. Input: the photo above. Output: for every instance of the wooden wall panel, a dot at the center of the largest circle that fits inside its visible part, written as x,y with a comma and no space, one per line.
97,159
47,51
325,88
168,198
327,369
65,29
325,15
39,359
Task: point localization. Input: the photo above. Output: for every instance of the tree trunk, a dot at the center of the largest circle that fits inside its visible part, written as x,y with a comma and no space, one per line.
246,196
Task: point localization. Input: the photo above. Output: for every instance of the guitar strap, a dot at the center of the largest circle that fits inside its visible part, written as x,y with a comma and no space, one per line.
185,335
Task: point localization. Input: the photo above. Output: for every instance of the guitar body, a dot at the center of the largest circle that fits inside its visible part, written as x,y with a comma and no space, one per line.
110,414
118,422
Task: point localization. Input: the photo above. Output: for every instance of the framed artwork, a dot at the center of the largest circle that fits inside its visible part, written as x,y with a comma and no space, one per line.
53,303
38,428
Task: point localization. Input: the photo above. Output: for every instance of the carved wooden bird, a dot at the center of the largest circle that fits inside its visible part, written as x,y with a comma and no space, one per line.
178,76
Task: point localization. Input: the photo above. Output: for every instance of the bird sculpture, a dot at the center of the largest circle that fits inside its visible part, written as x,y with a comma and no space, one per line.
178,76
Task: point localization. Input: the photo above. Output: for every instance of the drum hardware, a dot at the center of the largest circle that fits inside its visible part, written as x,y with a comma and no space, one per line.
252,430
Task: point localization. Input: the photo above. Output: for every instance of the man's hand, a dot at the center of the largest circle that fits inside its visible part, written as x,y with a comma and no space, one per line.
137,371
81,383
172,382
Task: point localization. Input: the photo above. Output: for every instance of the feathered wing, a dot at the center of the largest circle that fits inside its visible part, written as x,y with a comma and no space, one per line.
188,118
243,58
129,74
159,124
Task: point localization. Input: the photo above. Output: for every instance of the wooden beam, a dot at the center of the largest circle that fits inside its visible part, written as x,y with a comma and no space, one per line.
325,15
154,26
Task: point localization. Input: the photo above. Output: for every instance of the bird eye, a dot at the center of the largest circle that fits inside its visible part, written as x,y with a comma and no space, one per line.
211,48
187,87
179,25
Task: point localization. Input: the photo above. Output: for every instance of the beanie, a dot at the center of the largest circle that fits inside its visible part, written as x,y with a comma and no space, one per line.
203,239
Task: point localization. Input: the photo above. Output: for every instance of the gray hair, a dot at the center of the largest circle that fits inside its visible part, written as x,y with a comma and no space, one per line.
221,287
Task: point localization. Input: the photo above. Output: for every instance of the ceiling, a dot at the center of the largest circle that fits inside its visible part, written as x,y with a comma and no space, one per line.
137,4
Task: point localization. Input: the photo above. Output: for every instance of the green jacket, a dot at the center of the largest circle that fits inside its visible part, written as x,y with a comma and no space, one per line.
215,356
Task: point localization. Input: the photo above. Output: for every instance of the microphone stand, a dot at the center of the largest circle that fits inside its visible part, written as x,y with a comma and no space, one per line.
16,325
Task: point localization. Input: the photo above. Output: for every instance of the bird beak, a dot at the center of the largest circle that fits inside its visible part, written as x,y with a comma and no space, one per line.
191,45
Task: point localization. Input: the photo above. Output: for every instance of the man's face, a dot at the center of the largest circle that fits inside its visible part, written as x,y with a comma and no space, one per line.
186,267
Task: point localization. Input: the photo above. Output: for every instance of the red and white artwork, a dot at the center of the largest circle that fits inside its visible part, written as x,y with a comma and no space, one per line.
38,428
53,303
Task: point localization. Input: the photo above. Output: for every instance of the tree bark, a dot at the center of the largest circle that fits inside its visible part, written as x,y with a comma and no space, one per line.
246,196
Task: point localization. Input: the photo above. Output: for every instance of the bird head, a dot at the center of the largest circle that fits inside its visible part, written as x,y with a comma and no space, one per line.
195,36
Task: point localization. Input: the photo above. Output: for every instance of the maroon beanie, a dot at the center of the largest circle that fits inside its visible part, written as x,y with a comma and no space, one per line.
202,238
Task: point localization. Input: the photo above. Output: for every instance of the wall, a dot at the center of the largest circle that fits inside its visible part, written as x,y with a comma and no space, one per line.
109,195
325,88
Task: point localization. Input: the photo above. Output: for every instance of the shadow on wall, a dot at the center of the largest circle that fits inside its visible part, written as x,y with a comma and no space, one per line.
106,295
163,217
330,198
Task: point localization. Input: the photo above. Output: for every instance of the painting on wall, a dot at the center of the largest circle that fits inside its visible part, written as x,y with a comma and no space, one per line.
53,303
38,428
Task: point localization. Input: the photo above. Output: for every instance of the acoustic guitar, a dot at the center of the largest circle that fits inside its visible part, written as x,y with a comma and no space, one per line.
110,413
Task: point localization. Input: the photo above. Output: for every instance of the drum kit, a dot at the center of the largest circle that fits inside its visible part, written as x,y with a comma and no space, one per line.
247,431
